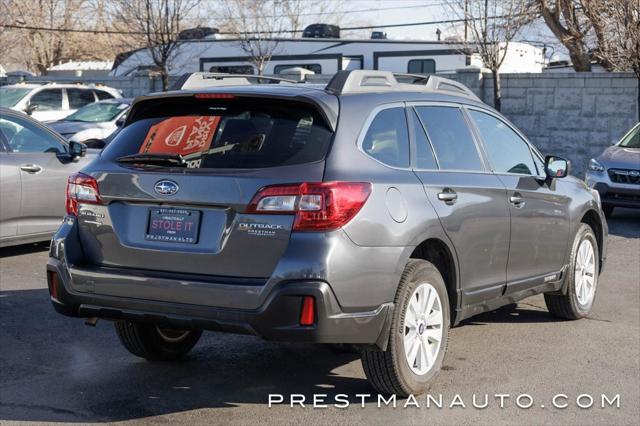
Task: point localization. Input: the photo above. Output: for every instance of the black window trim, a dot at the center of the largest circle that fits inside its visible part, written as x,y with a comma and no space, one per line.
533,151
365,128
480,150
415,119
3,144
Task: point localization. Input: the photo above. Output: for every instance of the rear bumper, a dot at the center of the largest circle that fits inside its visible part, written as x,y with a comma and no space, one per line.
276,319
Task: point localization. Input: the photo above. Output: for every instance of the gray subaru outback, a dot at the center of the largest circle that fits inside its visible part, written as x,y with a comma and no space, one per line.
369,212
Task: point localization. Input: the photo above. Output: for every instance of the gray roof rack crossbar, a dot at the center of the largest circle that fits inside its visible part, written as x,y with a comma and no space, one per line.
371,81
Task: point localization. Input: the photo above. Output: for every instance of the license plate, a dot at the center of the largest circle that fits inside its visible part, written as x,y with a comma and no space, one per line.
173,225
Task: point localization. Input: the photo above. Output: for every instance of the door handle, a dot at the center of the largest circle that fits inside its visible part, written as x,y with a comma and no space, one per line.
517,200
447,195
31,168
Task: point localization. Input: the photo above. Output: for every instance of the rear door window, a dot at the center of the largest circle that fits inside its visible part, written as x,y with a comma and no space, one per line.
451,138
213,134
387,138
79,98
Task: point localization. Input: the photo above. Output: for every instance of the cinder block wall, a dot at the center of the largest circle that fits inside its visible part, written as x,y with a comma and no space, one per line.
574,115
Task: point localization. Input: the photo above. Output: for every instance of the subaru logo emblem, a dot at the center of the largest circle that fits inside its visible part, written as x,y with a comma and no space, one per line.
166,187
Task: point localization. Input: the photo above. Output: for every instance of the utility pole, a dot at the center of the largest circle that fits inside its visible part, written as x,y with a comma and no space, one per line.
466,13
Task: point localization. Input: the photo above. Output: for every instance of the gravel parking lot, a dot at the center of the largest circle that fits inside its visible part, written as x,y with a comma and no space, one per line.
54,368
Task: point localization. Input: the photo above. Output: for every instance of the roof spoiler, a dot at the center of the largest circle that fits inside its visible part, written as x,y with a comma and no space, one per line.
373,81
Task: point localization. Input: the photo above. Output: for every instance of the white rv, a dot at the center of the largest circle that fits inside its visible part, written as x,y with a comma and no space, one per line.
327,56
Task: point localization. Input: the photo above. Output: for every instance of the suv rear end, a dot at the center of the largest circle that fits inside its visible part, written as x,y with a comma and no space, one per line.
209,211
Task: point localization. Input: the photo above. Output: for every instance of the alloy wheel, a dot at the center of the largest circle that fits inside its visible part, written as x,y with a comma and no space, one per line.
423,322
585,279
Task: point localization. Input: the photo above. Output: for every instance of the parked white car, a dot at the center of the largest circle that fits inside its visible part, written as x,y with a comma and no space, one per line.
52,101
93,123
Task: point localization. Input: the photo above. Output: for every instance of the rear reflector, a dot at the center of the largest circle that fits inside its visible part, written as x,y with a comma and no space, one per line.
308,312
53,282
323,206
81,188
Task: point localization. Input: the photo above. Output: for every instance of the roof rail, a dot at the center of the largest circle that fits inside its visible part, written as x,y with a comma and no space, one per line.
201,80
371,81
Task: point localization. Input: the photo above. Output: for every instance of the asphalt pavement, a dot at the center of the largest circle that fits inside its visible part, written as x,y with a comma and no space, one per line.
54,368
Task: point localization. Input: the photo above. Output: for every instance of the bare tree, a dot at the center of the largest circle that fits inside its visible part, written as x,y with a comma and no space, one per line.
619,44
491,25
568,21
37,47
159,23
259,25
619,28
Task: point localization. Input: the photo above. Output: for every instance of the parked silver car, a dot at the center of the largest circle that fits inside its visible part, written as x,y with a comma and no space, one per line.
615,173
93,123
52,101
34,165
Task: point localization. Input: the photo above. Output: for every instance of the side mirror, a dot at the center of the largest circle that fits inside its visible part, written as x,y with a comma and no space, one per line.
556,167
77,149
94,143
30,108
120,121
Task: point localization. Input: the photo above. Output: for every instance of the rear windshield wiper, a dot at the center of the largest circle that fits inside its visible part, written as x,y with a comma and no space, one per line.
154,159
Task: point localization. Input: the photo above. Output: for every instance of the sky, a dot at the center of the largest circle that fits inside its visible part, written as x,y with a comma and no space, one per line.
404,11
365,12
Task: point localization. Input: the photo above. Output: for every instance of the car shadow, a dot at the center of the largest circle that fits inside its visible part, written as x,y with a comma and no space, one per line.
23,249
55,368
512,313
625,223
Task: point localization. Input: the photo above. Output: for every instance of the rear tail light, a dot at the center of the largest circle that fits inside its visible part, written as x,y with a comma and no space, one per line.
323,206
308,312
81,188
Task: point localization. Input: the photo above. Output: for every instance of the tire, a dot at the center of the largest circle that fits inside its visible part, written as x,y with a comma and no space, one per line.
389,371
608,210
156,343
575,304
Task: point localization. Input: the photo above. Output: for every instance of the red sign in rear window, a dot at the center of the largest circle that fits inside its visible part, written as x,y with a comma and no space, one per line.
181,135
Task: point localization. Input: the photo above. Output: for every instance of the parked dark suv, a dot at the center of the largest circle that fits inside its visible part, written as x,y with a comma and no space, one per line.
366,212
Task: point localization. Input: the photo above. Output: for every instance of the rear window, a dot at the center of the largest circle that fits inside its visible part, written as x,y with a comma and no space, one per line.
236,133
102,95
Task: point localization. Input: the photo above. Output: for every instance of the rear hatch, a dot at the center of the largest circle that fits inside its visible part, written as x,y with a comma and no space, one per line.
175,186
